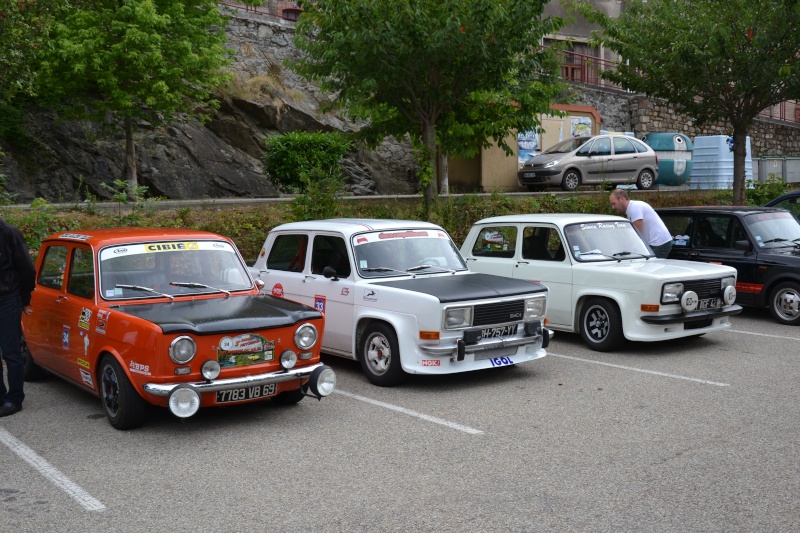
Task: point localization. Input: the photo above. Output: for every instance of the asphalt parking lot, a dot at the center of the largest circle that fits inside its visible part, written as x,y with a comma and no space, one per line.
693,435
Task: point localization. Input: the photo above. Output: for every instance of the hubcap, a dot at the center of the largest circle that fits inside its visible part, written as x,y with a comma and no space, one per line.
379,354
787,304
110,391
597,324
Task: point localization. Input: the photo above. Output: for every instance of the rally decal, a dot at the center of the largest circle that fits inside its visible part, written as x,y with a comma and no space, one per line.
371,295
277,290
76,236
319,303
246,349
65,337
139,368
87,378
83,321
431,362
102,321
84,363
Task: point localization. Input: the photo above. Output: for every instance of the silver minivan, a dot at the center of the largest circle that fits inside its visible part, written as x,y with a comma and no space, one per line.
611,159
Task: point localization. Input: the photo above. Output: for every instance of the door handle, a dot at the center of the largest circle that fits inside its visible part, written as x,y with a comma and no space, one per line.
61,298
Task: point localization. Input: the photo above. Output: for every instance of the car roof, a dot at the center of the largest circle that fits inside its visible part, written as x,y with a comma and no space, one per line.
721,209
558,219
98,237
351,226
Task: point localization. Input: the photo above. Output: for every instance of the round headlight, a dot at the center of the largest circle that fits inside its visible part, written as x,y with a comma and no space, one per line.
288,359
306,336
689,301
184,401
322,381
210,369
182,350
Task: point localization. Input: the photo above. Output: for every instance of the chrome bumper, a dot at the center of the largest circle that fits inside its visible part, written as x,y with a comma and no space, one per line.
459,348
164,389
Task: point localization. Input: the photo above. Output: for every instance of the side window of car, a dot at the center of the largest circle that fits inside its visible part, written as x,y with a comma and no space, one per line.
640,146
496,241
51,273
81,273
711,232
680,227
542,243
288,253
739,234
601,146
329,250
623,146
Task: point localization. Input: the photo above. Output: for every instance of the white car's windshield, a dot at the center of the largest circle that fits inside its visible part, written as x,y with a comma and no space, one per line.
605,241
406,252
153,270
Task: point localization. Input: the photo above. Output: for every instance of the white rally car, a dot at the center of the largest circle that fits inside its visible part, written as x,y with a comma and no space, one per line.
604,280
398,297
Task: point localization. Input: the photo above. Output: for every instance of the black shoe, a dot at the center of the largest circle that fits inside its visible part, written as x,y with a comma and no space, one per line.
9,408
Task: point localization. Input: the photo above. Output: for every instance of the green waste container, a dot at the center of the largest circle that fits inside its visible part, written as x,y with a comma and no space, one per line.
674,151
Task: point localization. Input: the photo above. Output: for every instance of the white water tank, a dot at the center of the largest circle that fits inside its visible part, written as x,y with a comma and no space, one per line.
712,163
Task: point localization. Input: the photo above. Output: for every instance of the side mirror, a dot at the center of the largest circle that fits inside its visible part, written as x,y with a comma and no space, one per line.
330,273
743,245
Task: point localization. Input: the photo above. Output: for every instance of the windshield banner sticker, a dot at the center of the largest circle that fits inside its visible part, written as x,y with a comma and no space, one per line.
246,349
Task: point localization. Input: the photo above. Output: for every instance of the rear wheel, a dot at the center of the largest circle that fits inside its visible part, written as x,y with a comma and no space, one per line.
784,303
646,180
33,372
601,325
124,407
571,180
380,356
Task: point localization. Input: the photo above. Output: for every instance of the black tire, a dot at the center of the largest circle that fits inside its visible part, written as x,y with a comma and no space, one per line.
123,406
289,397
571,180
379,354
601,325
784,303
646,180
33,372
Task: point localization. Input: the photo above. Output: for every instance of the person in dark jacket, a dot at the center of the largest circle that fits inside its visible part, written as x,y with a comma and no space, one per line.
17,279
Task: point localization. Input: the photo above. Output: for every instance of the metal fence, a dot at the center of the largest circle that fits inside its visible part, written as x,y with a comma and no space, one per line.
275,8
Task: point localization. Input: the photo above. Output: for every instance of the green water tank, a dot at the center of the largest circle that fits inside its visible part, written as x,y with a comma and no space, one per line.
674,152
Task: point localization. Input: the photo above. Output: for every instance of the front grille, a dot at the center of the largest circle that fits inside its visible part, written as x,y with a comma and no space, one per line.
498,313
705,288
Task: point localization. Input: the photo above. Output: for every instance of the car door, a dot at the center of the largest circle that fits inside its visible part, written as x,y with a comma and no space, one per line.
46,314
543,260
625,161
494,249
286,266
594,159
331,296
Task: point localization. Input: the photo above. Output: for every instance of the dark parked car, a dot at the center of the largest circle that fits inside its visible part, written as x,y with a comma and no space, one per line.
762,243
789,201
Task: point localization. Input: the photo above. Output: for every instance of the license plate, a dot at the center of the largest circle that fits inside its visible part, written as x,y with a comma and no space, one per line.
529,174
245,393
708,303
500,331
495,353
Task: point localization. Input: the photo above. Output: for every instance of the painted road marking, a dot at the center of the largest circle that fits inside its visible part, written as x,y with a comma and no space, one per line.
422,416
762,334
653,372
50,472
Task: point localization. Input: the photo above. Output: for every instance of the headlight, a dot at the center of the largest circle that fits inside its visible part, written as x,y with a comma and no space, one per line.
552,163
671,293
288,359
184,401
727,282
306,336
322,381
457,317
182,350
535,308
210,370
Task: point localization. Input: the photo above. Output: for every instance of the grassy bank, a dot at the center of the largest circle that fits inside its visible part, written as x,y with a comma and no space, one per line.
248,226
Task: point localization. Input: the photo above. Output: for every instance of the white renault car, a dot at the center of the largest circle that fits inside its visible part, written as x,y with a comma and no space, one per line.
605,282
398,297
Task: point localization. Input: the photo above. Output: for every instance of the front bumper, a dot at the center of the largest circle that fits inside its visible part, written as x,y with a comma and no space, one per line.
458,350
165,389
693,316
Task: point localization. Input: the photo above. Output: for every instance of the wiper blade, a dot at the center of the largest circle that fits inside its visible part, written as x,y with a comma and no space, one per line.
382,269
423,267
625,254
193,285
146,289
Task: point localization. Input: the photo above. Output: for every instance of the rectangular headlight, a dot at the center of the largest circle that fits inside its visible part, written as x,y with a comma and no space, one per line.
728,282
671,293
535,308
458,317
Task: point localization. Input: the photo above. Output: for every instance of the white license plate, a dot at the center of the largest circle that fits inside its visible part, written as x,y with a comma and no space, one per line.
708,303
500,331
245,393
529,174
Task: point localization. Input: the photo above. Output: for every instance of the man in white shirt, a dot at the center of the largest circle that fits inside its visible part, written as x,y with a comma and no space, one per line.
645,219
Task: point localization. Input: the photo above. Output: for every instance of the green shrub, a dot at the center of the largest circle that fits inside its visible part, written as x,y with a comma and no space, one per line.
761,193
292,155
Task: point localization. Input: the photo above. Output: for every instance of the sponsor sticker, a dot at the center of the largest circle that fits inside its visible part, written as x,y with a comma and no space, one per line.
76,236
371,295
65,337
83,321
87,378
171,246
319,303
277,290
139,368
84,363
245,349
345,291
431,362
102,321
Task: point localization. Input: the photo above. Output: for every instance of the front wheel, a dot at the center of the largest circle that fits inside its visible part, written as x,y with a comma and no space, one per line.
784,303
571,180
646,180
124,407
380,356
601,325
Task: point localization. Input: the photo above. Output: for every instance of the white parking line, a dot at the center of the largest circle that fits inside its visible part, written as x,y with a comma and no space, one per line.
762,334
428,418
662,374
50,472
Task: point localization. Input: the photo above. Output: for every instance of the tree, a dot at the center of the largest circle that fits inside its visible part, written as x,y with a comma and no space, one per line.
129,60
452,73
714,60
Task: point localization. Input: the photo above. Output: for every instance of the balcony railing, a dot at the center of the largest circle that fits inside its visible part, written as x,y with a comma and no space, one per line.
275,8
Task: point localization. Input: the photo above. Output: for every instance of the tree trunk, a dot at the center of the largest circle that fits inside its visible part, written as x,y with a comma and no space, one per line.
130,160
444,184
739,160
429,139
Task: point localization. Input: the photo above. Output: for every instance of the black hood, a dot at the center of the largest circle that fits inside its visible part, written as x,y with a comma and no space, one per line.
222,315
472,286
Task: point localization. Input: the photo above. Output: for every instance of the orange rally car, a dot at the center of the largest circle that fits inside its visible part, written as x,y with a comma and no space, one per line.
170,318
